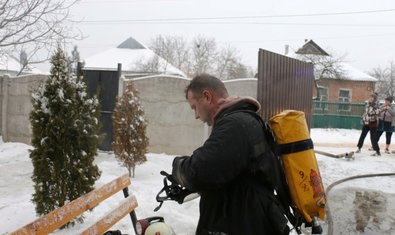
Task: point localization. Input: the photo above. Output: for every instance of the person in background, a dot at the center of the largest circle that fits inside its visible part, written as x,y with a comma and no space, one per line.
369,119
386,122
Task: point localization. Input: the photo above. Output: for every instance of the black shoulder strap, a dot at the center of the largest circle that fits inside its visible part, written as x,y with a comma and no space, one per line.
281,186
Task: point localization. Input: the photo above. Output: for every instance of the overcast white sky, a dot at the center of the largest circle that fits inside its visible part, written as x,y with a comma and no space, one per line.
362,29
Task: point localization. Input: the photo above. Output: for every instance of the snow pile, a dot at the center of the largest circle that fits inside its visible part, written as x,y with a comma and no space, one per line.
365,203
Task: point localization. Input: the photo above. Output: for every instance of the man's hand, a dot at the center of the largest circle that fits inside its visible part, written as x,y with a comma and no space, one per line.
177,173
168,176
175,191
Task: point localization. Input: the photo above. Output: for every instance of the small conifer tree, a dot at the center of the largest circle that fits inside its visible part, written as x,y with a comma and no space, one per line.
129,130
65,138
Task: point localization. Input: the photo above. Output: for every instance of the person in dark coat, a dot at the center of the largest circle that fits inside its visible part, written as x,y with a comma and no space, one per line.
370,122
235,199
386,122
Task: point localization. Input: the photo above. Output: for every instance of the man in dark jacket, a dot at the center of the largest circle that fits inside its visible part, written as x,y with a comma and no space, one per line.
230,170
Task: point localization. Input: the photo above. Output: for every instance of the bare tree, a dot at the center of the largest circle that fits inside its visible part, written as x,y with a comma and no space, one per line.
204,53
174,49
23,59
161,46
201,55
149,66
238,70
34,25
74,59
386,76
229,65
182,54
325,66
227,57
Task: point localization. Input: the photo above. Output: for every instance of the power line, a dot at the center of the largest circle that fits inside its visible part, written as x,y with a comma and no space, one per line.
257,23
122,1
240,17
98,45
318,38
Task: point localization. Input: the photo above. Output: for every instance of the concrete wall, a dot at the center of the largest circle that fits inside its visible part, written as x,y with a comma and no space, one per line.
16,106
172,127
242,87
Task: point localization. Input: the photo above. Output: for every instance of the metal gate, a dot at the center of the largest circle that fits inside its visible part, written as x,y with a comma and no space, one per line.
284,83
104,84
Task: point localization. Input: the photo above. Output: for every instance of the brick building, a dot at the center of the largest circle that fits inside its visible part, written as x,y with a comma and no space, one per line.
343,82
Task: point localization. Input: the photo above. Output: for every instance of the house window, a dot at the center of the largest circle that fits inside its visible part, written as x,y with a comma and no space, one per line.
344,97
323,98
323,93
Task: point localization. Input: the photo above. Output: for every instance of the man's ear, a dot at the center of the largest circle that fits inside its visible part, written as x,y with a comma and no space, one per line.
207,95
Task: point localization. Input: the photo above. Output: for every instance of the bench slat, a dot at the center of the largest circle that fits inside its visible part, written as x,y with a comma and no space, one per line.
55,219
106,222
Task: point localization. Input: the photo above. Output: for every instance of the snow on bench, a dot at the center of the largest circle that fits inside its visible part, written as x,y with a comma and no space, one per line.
59,217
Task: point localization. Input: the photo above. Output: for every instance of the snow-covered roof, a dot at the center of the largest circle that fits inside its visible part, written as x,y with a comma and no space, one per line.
130,54
349,72
354,74
11,65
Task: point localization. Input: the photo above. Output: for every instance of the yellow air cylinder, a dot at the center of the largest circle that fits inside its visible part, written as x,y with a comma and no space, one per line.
299,163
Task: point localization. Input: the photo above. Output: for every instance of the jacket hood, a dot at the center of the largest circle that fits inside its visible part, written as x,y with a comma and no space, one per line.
233,100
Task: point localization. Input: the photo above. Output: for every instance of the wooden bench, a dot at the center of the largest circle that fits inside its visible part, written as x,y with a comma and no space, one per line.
59,217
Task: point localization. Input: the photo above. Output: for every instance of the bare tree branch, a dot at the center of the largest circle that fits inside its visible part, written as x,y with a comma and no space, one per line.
229,64
34,25
201,55
173,49
204,52
325,66
386,80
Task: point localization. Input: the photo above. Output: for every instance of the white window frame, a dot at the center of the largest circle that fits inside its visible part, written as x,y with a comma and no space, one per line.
342,99
322,106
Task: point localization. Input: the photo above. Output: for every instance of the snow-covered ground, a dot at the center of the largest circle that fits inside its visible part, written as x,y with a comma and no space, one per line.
370,201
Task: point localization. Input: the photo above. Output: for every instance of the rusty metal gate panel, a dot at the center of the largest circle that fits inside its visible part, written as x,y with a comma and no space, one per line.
284,83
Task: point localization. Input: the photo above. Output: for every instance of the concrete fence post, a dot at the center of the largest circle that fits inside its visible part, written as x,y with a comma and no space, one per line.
4,112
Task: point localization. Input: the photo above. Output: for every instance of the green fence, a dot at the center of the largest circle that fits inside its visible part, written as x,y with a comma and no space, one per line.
337,115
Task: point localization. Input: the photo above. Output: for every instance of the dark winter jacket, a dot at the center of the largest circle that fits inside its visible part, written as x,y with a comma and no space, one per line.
236,198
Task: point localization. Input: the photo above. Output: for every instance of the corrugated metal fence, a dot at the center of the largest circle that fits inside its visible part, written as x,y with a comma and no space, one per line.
284,83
